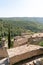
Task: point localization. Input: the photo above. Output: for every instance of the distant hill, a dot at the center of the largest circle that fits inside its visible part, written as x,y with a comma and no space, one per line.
35,19
21,24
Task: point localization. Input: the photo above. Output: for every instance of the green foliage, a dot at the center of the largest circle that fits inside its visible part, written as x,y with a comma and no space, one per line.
18,26
0,38
11,46
1,20
41,43
9,40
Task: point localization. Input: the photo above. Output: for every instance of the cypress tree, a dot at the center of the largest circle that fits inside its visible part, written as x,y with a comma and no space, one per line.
9,41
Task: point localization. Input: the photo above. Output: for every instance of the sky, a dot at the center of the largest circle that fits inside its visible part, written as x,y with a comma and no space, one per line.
21,8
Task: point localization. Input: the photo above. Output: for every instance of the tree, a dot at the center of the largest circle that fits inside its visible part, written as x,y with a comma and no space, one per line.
1,20
9,41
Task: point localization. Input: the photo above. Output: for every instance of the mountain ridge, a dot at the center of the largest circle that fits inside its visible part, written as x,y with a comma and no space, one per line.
35,19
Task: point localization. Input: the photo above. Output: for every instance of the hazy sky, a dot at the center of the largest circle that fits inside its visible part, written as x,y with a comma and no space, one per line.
21,8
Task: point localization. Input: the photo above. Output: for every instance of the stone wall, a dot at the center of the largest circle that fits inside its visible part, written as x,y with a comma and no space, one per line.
27,40
26,55
20,42
3,53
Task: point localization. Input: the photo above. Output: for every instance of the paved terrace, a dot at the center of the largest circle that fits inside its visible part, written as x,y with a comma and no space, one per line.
23,52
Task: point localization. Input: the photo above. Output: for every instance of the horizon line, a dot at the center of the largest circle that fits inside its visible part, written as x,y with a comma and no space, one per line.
21,17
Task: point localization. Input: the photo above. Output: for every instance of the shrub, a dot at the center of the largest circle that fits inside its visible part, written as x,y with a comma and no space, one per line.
41,43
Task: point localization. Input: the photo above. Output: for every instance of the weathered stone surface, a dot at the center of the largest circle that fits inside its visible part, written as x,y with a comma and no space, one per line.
3,53
21,41
23,52
32,39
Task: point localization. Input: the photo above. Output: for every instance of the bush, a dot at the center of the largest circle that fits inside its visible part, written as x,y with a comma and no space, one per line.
0,38
41,43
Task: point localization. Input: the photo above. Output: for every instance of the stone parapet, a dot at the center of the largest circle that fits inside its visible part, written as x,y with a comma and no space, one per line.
23,52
